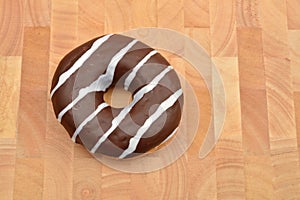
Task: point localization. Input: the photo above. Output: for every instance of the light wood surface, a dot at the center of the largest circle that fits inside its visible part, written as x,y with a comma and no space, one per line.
255,44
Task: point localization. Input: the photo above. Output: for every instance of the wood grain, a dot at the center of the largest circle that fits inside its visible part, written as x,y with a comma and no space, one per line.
28,169
248,13
297,114
144,13
33,94
293,16
201,36
83,187
90,19
116,18
255,46
229,158
259,174
37,13
11,29
294,47
7,167
170,15
282,129
10,68
254,114
196,10
281,110
223,28
274,25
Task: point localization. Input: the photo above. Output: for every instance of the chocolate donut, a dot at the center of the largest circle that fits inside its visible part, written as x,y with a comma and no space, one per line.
87,72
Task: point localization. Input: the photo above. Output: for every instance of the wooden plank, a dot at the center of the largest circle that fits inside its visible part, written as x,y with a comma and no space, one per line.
294,47
147,186
259,174
248,13
33,96
87,179
28,183
32,125
115,184
223,28
281,111
274,25
256,145
201,173
137,14
171,183
293,15
251,64
255,122
202,182
58,163
10,75
229,150
35,65
252,92
90,19
280,99
144,13
254,115
195,80
175,186
7,167
196,13
37,13
117,19
297,115
62,41
170,15
286,171
201,36
282,128
11,31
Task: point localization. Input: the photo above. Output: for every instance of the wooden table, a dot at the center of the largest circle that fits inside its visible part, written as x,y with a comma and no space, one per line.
255,44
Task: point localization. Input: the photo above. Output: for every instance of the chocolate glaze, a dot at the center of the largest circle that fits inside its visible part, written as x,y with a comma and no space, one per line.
96,65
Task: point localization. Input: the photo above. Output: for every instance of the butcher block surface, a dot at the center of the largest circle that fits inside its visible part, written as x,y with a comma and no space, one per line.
255,45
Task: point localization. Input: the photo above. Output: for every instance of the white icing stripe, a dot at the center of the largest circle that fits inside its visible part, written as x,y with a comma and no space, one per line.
133,142
138,96
64,76
88,119
103,81
131,76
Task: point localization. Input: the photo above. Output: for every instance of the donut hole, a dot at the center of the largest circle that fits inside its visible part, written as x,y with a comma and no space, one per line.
117,97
